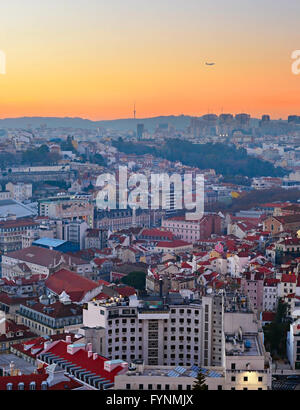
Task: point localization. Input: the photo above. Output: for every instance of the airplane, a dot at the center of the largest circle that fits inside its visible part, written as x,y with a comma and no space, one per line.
210,63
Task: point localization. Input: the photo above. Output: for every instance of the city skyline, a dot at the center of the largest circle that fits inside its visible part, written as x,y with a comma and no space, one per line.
95,61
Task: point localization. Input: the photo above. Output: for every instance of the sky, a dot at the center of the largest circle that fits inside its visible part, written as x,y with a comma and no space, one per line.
96,58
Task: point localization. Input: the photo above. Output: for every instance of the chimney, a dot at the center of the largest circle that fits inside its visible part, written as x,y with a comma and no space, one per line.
90,354
95,356
69,339
161,287
89,347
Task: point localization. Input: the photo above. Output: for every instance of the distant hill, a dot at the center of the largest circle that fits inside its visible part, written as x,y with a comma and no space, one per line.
179,122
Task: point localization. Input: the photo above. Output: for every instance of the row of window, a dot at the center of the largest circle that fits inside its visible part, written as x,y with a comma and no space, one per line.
159,387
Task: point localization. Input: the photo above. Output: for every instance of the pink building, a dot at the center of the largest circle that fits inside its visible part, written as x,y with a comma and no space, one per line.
192,231
253,285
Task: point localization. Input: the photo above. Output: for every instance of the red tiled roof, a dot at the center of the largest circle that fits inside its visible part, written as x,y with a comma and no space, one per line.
74,285
285,278
38,379
125,290
174,244
81,359
14,331
33,347
57,309
11,300
18,224
156,233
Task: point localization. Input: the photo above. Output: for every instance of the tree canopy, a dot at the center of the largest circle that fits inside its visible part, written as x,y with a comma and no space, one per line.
226,159
135,279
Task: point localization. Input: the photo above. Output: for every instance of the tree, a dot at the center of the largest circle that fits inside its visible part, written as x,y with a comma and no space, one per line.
226,159
275,332
199,384
135,279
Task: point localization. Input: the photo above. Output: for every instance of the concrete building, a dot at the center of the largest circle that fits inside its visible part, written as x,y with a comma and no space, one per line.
141,377
19,191
47,316
41,261
293,342
95,238
165,332
192,231
12,232
72,208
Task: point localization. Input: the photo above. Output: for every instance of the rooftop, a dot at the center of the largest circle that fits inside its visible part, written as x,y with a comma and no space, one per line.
10,206
50,242
179,371
248,345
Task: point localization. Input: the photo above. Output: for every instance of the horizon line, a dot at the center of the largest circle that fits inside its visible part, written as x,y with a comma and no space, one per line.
141,118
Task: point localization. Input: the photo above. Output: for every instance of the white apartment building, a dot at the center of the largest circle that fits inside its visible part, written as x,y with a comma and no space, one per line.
168,339
161,331
141,377
293,341
270,297
246,365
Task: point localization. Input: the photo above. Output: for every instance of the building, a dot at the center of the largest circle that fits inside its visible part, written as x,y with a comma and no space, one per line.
175,246
192,231
140,131
12,333
5,195
293,342
56,245
78,288
41,261
252,283
12,232
52,378
19,191
85,366
47,316
95,238
248,365
30,349
71,208
277,224
164,334
141,377
167,343
270,296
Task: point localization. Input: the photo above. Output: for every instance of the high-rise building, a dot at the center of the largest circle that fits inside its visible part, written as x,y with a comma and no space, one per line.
140,131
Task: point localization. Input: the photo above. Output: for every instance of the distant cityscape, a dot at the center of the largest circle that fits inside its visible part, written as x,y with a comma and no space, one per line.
145,299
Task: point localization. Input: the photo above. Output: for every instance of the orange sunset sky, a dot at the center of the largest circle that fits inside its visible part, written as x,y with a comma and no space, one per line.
94,58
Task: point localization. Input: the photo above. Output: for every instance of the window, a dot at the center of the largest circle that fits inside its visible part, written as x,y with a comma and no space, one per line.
245,379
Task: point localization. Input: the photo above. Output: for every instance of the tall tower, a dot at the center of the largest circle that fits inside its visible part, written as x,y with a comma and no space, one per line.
134,112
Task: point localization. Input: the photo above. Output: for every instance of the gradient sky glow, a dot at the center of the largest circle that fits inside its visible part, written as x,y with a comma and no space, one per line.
94,58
